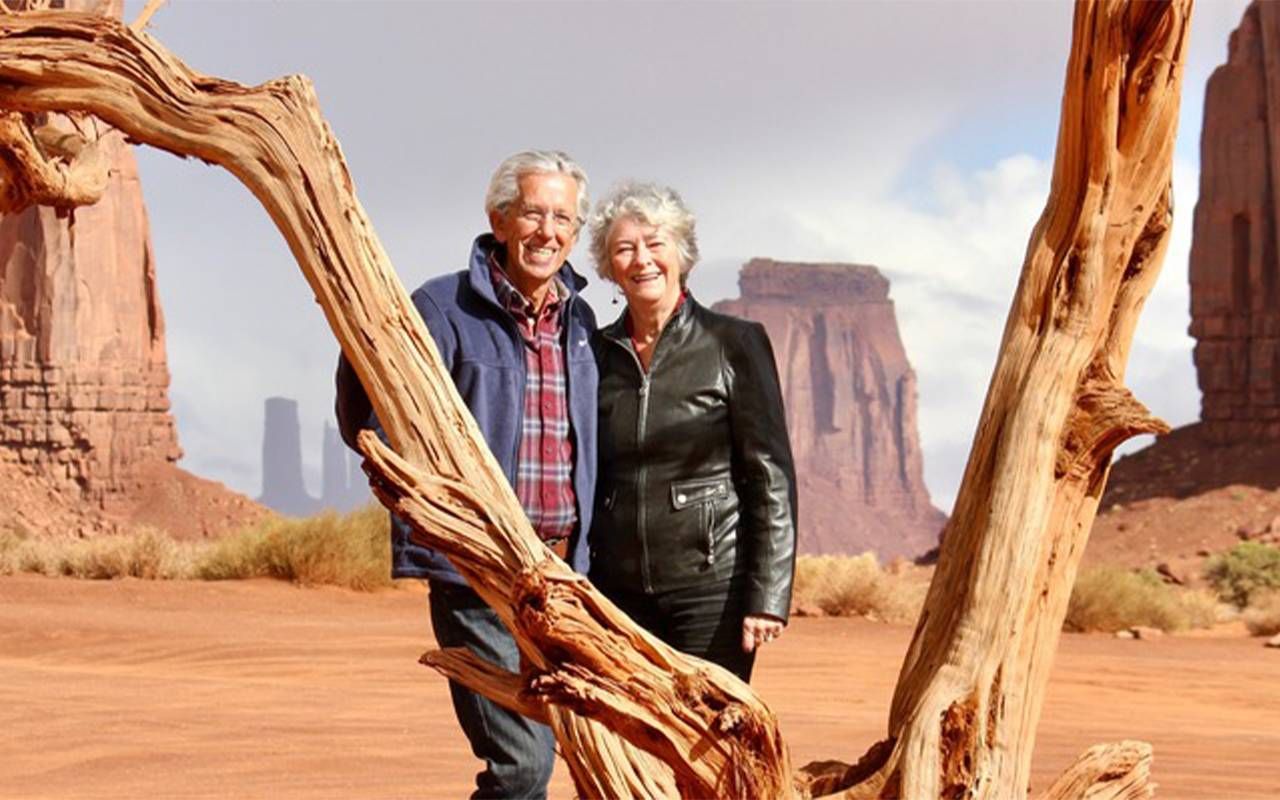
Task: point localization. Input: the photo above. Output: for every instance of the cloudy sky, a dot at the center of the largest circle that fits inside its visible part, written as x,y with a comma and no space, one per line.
915,136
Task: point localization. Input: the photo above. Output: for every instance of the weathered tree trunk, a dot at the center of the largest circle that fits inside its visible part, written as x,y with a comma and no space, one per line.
969,696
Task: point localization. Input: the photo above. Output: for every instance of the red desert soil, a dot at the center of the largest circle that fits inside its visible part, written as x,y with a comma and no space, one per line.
185,505
1183,497
165,497
126,689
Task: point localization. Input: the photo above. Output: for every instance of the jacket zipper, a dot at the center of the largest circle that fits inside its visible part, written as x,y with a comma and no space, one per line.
642,411
641,479
709,520
642,393
566,331
524,380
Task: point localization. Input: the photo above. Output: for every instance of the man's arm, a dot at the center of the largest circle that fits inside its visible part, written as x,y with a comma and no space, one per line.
352,406
351,403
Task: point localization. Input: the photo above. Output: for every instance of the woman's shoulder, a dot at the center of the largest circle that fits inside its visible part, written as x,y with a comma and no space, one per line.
733,330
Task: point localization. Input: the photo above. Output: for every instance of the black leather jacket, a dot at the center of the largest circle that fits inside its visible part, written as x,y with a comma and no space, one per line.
696,477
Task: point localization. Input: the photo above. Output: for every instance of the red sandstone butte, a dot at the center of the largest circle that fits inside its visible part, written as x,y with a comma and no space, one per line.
87,442
850,397
1195,487
1235,270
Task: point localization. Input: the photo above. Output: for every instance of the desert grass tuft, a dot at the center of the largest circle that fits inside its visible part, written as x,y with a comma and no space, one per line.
1262,617
146,553
1112,598
857,586
12,548
351,550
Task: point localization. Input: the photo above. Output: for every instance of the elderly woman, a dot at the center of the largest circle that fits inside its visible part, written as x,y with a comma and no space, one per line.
695,517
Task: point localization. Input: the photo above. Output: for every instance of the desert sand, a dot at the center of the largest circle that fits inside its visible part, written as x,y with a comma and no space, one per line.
128,689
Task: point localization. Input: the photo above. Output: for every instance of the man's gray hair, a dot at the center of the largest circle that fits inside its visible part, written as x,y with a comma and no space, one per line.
651,204
504,186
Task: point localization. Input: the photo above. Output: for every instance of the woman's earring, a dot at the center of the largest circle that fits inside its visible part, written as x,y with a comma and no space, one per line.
617,292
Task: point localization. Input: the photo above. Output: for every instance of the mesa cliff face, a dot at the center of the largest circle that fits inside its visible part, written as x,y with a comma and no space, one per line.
1235,271
345,487
87,440
850,397
1206,485
83,377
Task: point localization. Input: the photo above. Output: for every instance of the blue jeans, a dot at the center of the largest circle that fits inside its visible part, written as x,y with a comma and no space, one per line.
518,753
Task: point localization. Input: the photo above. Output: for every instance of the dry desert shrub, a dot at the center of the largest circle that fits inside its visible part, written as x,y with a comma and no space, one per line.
12,545
1262,617
1112,599
1203,608
146,553
351,550
857,586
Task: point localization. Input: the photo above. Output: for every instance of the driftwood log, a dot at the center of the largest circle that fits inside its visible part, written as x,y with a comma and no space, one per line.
633,717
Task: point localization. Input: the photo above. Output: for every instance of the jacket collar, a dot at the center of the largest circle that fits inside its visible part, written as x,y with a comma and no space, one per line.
478,270
617,330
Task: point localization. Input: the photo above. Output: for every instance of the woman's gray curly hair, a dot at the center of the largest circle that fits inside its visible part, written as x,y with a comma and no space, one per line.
651,204
504,186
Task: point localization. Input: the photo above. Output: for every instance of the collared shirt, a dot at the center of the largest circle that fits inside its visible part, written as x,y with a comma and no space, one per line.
544,466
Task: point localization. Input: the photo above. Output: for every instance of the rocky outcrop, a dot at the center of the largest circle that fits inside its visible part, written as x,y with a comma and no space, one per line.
1235,269
850,398
83,378
1193,488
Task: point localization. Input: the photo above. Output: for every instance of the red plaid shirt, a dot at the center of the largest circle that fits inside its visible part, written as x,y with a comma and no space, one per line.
544,466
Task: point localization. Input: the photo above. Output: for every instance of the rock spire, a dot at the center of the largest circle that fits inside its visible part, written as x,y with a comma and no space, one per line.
1235,269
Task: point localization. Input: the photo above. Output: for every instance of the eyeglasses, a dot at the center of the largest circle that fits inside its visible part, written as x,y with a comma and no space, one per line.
563,222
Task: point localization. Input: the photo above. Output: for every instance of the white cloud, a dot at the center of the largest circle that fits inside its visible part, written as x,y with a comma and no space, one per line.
953,269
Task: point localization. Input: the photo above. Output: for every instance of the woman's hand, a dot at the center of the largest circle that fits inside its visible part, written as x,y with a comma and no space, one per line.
758,629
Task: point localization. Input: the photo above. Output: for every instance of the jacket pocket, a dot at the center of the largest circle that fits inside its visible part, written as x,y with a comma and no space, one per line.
698,490
702,493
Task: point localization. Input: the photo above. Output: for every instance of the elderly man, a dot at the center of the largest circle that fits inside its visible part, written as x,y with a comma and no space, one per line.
513,333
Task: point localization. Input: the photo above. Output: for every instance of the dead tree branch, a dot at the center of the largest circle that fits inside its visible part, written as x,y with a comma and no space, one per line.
969,695
144,18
